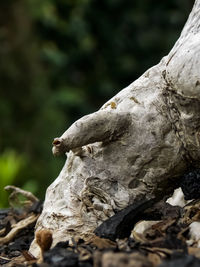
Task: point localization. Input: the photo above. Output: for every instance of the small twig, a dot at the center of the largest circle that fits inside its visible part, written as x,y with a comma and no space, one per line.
17,227
2,231
26,194
28,256
4,258
163,250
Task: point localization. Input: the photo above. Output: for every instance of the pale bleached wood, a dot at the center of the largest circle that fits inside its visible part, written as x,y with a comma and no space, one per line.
145,137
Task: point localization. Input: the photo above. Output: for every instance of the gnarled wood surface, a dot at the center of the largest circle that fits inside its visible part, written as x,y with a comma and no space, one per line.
133,147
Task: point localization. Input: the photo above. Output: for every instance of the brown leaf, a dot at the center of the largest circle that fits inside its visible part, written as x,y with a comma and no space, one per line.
101,243
28,256
84,254
194,251
154,258
121,259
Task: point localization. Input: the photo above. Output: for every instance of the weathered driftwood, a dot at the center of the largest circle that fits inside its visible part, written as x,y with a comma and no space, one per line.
134,147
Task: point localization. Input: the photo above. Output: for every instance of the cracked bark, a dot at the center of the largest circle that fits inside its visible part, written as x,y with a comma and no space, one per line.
133,148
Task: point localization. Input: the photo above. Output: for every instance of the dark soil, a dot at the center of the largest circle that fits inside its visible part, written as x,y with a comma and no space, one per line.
114,244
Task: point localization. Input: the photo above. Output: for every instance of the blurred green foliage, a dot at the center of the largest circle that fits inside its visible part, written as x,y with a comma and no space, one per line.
62,59
10,165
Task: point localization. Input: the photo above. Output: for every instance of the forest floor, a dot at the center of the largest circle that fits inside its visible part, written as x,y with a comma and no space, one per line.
163,236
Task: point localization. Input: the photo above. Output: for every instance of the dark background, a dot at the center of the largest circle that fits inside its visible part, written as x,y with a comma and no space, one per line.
62,59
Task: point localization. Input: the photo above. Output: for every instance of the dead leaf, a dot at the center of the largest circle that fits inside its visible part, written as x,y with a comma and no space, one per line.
101,243
194,251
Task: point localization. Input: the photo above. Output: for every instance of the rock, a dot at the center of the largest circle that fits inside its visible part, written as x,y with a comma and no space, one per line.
121,224
194,234
190,184
177,198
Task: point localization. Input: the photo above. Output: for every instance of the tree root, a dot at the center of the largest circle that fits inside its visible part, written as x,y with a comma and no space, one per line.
18,227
